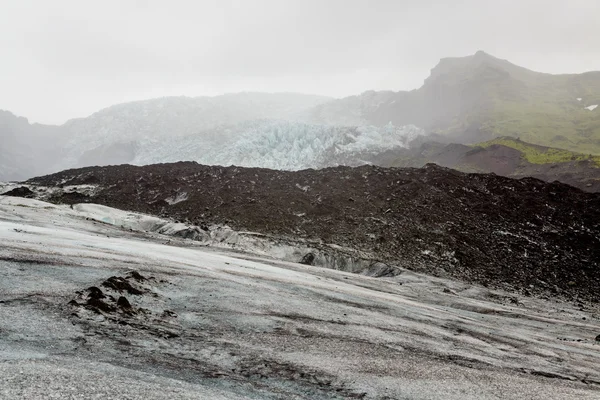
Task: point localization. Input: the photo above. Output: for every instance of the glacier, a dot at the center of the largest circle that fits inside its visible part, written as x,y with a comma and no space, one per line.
212,323
279,144
278,130
90,140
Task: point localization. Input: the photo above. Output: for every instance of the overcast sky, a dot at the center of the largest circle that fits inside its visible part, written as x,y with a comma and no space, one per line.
63,59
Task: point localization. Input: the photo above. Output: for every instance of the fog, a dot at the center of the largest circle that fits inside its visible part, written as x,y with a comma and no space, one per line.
66,59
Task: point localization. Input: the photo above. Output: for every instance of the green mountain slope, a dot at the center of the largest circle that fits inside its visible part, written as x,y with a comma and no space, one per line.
535,154
479,97
545,110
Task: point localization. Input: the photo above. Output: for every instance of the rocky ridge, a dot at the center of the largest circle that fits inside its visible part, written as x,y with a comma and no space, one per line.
504,156
525,234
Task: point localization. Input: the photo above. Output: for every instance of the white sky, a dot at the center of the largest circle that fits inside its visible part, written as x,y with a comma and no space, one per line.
68,58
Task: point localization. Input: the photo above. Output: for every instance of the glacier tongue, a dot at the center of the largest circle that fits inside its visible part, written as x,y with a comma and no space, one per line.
279,145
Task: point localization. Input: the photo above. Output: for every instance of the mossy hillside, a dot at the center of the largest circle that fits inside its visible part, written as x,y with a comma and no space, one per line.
568,126
536,154
493,97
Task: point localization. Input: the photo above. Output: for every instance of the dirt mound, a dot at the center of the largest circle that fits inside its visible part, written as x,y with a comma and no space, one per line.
498,159
99,302
22,191
111,304
120,285
524,234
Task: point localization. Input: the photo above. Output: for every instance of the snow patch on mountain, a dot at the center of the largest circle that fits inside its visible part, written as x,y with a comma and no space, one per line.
592,107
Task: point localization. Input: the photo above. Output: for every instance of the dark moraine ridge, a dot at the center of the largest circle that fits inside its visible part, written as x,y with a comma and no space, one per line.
521,234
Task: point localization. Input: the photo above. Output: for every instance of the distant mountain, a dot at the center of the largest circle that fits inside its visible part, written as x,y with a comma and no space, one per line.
479,97
505,156
112,135
27,149
465,100
245,129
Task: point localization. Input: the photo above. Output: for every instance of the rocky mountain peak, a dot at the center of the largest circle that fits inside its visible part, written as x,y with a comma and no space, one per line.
479,65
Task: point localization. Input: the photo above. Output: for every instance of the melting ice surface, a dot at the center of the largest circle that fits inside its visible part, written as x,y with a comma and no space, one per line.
243,326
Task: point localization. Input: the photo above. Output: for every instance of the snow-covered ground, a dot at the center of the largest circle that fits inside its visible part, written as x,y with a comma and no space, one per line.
47,192
280,248
220,325
592,107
